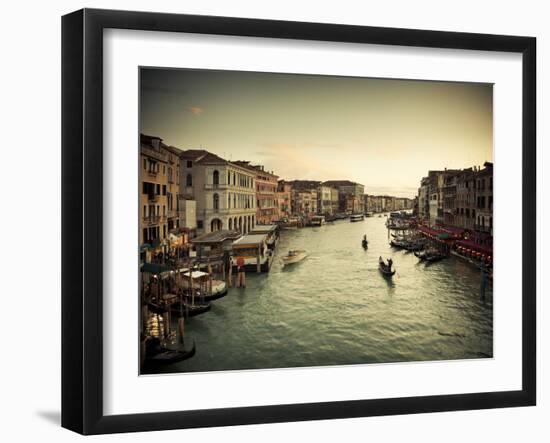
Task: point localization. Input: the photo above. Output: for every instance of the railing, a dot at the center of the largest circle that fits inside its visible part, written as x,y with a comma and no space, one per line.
152,219
154,197
210,186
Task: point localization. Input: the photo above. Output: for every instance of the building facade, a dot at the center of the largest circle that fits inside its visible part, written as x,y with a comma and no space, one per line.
267,208
225,193
284,196
324,200
350,195
484,199
465,199
153,176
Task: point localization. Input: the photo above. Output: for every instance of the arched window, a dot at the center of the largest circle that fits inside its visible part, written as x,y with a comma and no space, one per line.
189,180
216,202
230,224
216,178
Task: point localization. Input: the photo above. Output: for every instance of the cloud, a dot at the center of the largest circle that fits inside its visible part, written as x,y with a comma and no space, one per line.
195,110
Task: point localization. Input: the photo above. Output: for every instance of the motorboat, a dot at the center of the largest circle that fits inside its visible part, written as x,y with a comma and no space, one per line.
294,256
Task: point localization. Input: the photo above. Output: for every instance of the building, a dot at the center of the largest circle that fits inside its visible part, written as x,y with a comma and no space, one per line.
284,196
465,199
449,199
350,195
461,199
484,199
325,203
153,177
373,203
187,208
225,192
173,187
304,202
334,200
267,208
424,199
304,197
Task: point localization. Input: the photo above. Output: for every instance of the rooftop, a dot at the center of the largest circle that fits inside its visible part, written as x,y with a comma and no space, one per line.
250,239
217,236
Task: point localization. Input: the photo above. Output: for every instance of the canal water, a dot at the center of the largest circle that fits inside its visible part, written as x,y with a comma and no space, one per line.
335,308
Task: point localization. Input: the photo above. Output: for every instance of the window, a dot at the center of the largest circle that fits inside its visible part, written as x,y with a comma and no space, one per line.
216,202
200,224
189,164
216,178
157,189
144,163
163,189
189,180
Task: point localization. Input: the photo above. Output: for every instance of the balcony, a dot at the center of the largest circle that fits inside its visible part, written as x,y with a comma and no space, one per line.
172,213
153,197
212,186
151,219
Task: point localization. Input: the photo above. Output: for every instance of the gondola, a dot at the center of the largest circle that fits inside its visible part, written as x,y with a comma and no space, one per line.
157,355
191,310
421,255
430,258
365,243
384,268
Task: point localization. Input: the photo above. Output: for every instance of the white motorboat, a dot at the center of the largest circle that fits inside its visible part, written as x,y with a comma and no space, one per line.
294,257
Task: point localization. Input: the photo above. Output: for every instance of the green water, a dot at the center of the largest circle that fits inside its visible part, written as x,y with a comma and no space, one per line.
335,308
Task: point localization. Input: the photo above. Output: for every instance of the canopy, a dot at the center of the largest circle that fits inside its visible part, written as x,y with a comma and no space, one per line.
482,249
196,274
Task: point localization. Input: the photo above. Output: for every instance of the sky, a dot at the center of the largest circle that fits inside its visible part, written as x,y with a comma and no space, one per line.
383,133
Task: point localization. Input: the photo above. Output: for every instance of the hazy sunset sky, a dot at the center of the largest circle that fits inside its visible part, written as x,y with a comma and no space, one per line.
385,134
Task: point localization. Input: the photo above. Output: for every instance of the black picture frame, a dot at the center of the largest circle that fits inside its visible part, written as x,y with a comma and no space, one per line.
82,215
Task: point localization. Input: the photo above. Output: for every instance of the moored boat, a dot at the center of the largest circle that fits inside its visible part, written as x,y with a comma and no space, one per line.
356,217
157,355
317,220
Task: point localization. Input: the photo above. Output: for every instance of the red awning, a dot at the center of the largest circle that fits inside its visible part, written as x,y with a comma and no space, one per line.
482,249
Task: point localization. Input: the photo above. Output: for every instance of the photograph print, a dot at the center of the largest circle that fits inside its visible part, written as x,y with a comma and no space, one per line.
291,220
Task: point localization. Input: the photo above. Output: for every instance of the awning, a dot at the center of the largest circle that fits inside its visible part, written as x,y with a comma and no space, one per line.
482,249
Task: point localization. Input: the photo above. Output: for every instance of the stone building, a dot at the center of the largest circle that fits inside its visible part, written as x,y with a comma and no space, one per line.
225,192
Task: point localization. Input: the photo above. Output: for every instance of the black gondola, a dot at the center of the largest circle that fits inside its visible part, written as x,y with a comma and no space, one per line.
384,268
191,310
365,243
156,355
